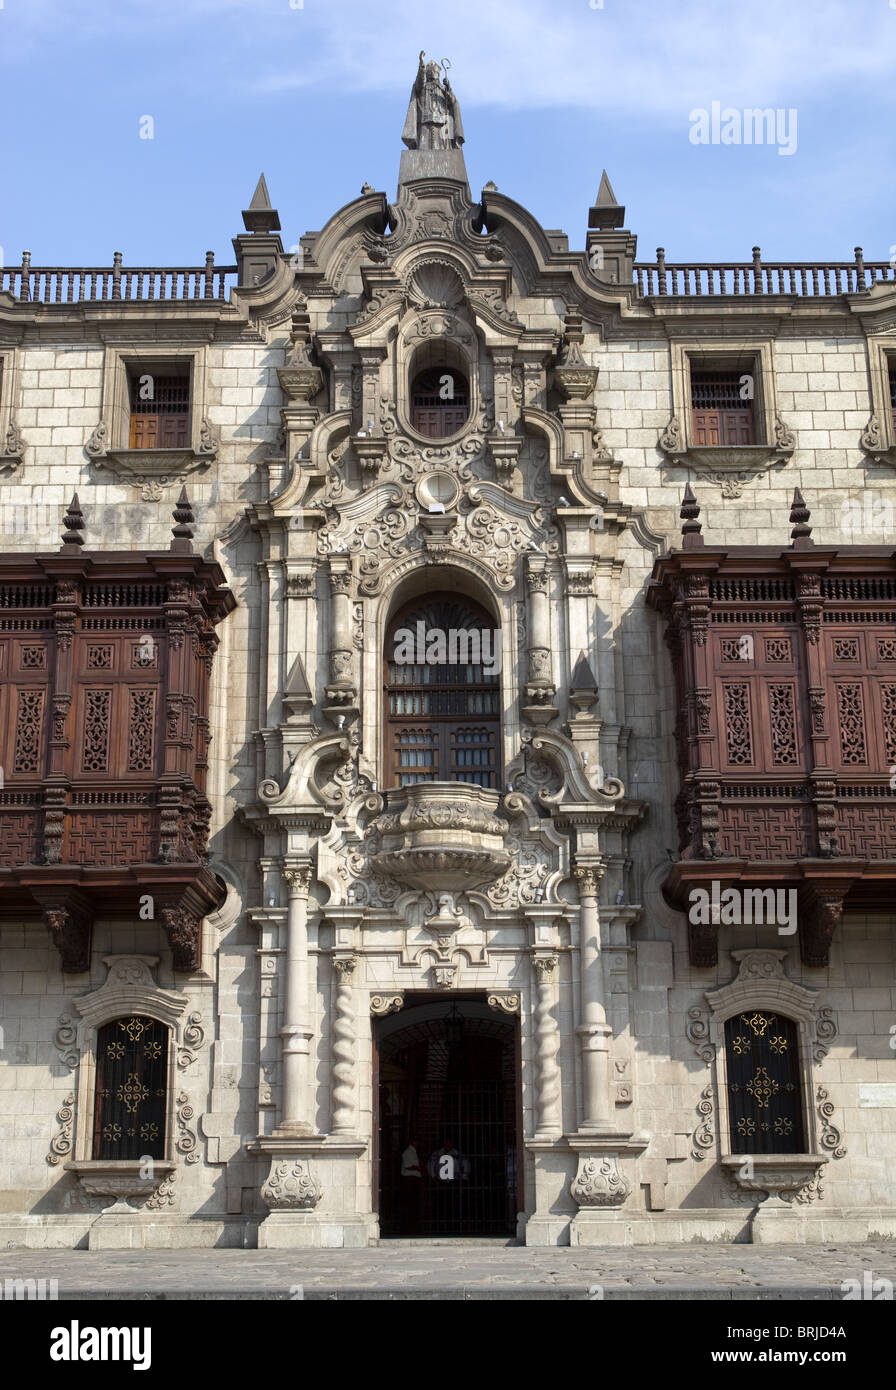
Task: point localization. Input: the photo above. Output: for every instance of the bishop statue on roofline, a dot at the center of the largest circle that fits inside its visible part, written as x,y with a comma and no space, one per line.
433,120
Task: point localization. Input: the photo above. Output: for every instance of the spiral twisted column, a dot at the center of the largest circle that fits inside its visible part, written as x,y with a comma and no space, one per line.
295,1031
344,1069
548,1092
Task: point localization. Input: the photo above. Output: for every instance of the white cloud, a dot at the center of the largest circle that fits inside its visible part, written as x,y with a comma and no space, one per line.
633,57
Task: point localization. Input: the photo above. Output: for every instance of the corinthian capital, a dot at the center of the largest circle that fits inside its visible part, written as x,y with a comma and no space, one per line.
588,877
298,879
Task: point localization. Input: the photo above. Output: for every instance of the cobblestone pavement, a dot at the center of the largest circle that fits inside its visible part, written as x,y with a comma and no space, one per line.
468,1271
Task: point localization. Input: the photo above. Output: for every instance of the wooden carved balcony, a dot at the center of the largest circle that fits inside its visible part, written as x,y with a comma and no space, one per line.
785,672
105,661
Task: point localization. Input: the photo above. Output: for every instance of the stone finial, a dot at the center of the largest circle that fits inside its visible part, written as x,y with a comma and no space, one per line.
606,212
583,686
74,522
690,510
801,535
297,696
260,216
183,531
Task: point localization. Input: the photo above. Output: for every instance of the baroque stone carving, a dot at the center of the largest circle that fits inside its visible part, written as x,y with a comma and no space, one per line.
825,1033
505,1003
290,1187
194,1036
598,1182
830,1137
672,437
697,1032
704,1135
66,1041
61,1143
164,1195
186,1142
382,1004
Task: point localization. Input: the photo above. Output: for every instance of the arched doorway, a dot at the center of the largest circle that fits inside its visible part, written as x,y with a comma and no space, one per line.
448,1092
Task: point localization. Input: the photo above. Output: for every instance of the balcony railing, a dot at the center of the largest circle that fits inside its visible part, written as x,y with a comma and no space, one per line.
117,283
803,278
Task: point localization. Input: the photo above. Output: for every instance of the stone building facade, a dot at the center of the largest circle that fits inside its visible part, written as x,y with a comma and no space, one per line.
578,932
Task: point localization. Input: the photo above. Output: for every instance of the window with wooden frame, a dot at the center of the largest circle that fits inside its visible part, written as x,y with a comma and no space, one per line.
891,380
722,406
131,1089
440,402
765,1109
443,705
159,406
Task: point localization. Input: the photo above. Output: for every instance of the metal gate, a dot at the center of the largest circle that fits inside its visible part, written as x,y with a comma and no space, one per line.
448,1123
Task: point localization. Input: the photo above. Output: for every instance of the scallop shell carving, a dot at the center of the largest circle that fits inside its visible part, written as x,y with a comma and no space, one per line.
437,285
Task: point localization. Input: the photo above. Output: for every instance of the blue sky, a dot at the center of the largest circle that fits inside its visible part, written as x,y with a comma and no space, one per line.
551,91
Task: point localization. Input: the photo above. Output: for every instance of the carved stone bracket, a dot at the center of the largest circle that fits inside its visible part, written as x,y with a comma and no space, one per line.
382,1004
13,449
504,1003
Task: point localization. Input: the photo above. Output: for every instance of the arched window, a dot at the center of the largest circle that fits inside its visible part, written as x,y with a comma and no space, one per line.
764,1101
131,1089
442,690
440,401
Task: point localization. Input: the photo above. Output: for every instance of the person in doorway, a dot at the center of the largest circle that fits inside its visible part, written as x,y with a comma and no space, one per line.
448,1164
412,1186
448,1167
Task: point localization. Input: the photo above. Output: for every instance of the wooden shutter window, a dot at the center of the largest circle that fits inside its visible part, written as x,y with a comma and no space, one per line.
164,421
442,721
722,419
432,415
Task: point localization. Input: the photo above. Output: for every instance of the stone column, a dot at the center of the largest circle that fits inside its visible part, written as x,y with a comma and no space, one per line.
539,684
341,688
296,1031
593,1029
548,1094
344,1064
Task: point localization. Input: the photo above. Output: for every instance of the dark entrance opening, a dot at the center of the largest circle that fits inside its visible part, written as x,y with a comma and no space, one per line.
448,1094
